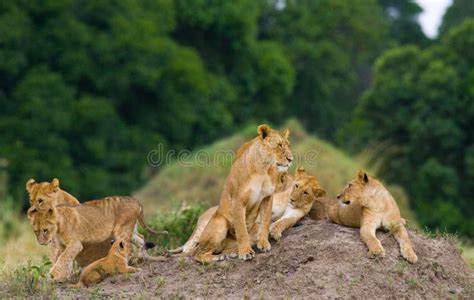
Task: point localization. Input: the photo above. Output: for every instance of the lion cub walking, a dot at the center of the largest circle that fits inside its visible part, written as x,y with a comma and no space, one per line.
115,262
367,204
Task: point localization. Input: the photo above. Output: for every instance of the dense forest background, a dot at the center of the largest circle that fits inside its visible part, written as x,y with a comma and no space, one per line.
88,88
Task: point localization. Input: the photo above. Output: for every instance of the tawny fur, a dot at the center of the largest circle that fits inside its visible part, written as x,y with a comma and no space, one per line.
246,195
115,262
72,226
366,204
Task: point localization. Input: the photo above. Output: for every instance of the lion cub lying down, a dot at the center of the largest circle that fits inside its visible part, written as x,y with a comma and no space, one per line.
115,262
292,200
72,226
366,203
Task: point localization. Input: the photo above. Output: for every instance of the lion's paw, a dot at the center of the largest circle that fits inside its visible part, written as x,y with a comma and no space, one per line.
247,253
264,245
58,274
410,256
275,233
377,251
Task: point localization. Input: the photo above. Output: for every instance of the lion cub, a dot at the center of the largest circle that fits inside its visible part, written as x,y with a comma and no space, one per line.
115,262
296,204
367,204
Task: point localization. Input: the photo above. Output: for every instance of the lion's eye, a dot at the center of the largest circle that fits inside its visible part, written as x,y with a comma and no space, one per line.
306,193
280,145
45,231
296,185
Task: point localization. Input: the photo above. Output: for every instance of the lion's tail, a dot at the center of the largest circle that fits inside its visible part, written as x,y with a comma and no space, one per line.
176,251
141,220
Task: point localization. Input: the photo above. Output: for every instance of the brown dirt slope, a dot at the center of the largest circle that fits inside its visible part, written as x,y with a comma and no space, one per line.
315,259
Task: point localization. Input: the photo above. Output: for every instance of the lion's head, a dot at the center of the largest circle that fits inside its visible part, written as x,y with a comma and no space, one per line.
121,248
306,189
356,189
275,146
44,221
40,192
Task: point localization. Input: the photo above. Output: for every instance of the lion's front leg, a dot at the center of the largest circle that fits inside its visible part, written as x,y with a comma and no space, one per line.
62,269
243,242
55,250
286,221
401,235
266,218
367,234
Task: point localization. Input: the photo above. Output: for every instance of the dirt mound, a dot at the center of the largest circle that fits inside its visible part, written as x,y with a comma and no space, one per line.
315,259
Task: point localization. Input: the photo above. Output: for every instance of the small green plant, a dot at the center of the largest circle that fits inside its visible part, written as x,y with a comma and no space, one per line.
400,268
29,279
354,281
413,283
177,295
95,292
160,283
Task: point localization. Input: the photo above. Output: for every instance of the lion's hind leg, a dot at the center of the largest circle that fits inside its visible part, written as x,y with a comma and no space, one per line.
213,235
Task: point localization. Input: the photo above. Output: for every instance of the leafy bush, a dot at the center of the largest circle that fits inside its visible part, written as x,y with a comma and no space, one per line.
179,223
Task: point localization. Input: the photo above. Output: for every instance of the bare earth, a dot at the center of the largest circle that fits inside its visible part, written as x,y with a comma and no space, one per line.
315,259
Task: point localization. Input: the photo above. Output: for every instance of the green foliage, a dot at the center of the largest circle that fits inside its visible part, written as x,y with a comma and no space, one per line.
421,102
331,44
179,223
456,14
402,18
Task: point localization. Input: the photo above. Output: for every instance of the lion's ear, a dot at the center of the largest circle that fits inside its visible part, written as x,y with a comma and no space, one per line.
285,133
263,130
51,212
300,172
55,185
31,212
318,192
362,176
30,184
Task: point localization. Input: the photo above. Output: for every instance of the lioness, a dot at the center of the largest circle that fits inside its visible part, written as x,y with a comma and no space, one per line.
247,193
71,226
116,261
292,200
45,192
366,203
282,191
